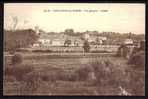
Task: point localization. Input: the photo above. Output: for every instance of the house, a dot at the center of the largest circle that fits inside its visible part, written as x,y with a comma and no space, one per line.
53,39
94,39
57,39
77,42
128,41
102,38
45,41
86,36
57,42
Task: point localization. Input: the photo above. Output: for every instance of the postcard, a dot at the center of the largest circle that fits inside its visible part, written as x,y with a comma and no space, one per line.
85,49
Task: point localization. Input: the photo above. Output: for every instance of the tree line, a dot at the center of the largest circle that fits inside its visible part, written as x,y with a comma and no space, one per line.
19,38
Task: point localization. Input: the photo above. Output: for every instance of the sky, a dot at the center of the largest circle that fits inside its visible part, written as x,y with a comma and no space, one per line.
56,17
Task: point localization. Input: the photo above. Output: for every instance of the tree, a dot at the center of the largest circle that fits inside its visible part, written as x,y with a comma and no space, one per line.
86,46
69,32
123,51
67,42
98,41
19,38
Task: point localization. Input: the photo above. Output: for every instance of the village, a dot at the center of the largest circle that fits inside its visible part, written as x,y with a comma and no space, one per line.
73,42
58,39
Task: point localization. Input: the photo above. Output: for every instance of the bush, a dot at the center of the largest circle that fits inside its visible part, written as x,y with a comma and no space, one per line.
106,73
83,72
18,71
115,76
101,70
8,70
17,59
32,81
9,78
123,51
94,71
53,74
48,76
138,59
68,76
31,76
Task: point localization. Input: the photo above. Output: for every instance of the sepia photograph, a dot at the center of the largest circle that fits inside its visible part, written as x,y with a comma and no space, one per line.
85,49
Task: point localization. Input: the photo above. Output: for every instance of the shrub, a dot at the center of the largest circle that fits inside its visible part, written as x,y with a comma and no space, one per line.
17,59
8,70
106,72
53,73
32,82
83,72
100,70
8,78
68,76
48,76
22,70
31,76
138,59
94,71
18,71
135,81
122,51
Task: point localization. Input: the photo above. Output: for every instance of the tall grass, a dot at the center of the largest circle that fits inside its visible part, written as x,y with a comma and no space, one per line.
89,78
18,71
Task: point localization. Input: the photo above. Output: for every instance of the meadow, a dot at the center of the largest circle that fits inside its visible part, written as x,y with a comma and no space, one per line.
72,74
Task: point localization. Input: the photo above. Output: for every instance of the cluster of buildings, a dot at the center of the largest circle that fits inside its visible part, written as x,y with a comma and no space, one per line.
58,39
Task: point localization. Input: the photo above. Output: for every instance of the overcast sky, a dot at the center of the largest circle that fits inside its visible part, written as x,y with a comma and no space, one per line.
117,17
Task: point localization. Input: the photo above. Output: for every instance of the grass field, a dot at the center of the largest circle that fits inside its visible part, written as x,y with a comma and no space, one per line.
60,74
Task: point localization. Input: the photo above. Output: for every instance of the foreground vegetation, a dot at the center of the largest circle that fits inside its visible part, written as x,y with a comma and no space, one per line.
73,76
